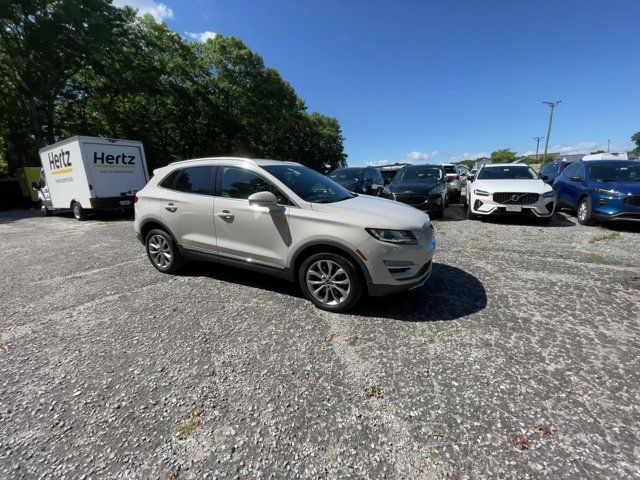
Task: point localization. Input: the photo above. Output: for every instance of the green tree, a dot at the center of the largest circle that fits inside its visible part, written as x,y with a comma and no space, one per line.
503,156
636,139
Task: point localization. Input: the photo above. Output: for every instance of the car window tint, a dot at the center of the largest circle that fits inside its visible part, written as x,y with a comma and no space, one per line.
169,180
195,180
241,183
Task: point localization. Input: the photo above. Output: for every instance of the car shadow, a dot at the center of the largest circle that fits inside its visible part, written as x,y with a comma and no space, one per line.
455,212
559,220
8,216
450,293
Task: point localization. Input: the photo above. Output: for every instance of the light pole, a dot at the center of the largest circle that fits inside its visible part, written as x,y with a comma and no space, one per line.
537,139
608,145
546,143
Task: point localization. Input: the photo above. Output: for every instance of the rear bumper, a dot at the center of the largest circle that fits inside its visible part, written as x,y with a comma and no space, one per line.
112,203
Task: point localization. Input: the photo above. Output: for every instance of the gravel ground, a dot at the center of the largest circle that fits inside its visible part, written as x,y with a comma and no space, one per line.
519,359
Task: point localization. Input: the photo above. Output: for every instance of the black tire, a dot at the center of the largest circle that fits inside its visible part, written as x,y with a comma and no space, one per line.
456,197
447,202
438,213
584,213
350,272
153,245
78,211
45,211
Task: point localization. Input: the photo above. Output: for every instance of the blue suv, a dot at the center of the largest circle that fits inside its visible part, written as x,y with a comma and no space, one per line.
601,190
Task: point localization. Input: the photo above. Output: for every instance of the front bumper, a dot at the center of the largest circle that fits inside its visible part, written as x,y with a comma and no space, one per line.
542,208
608,209
395,268
427,202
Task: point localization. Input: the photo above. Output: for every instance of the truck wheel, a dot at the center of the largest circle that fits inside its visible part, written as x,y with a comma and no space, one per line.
78,212
330,281
45,211
163,251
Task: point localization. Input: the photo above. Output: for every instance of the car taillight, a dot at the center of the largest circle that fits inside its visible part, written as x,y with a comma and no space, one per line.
135,199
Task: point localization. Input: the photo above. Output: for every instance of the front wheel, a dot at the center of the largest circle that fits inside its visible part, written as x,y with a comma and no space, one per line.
163,251
78,211
584,212
330,281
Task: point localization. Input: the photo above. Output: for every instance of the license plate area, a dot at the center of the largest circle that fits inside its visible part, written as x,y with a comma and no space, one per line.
125,202
514,208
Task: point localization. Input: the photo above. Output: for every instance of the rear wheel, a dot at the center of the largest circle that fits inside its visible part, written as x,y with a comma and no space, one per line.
584,212
163,251
78,211
330,281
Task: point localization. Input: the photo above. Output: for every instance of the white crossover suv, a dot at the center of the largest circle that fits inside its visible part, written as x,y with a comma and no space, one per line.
284,219
509,189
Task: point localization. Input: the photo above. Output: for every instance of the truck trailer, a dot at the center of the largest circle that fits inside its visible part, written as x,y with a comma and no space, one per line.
86,174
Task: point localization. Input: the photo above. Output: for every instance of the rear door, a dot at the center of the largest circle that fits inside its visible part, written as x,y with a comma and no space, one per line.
187,207
247,233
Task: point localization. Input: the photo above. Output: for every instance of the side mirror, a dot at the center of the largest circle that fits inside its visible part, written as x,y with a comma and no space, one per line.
35,186
263,199
576,178
544,177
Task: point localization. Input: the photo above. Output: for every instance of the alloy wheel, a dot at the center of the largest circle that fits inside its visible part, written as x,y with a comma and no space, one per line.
582,211
160,251
328,282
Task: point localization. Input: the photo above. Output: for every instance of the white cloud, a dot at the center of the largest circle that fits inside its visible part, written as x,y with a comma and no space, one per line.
376,163
419,157
202,36
159,11
581,147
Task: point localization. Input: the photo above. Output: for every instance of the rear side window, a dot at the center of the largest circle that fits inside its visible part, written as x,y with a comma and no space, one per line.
240,183
450,169
170,179
195,180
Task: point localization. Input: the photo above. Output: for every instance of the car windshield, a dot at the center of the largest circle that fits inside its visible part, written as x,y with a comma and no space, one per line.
428,174
308,184
347,174
615,172
508,172
388,174
450,169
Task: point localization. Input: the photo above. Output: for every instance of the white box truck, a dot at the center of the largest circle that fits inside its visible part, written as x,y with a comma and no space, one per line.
91,173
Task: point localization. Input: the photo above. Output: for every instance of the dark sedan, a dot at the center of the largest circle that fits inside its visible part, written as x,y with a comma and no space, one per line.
365,180
421,186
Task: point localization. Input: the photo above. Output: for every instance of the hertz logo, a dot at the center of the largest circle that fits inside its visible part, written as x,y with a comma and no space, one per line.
60,163
103,160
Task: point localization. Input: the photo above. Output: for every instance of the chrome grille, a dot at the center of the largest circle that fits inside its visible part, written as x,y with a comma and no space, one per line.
515,198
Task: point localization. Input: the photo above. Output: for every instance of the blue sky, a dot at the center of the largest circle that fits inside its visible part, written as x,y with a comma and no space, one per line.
436,81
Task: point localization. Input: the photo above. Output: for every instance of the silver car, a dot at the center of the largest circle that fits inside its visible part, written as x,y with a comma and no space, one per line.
287,220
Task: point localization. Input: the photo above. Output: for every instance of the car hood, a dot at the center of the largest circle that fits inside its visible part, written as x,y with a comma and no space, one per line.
375,212
411,187
524,186
630,188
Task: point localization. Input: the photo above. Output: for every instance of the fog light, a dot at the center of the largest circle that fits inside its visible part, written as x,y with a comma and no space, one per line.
477,204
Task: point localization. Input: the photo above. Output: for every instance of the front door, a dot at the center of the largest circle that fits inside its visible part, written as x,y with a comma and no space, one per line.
247,233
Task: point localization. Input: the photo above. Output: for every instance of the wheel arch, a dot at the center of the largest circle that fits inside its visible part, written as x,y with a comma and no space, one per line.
152,224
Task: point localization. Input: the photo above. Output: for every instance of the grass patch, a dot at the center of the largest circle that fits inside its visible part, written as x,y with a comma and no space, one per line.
184,431
606,236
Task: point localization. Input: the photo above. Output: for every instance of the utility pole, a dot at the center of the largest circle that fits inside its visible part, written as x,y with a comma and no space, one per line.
552,105
537,139
608,145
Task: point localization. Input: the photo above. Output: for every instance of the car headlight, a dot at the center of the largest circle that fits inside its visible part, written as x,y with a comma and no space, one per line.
399,237
481,193
548,194
609,193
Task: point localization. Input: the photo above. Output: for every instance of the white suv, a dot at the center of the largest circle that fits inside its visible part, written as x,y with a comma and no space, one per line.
287,220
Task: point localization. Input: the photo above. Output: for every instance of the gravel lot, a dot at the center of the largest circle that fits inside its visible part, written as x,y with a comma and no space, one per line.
519,359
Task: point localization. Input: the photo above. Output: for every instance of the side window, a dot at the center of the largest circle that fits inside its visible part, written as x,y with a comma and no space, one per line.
170,179
549,168
195,180
369,174
241,183
579,170
570,171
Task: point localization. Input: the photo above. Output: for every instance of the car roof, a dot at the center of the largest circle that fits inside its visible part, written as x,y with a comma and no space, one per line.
607,161
261,162
492,165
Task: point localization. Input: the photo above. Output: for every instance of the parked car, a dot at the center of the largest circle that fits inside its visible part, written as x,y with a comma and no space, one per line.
287,220
421,186
509,189
551,170
389,171
601,190
365,180
454,181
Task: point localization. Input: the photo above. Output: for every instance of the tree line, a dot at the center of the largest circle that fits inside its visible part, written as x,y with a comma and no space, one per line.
85,67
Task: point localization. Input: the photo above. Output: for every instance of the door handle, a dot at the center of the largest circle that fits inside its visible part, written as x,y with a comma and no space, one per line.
226,215
171,207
